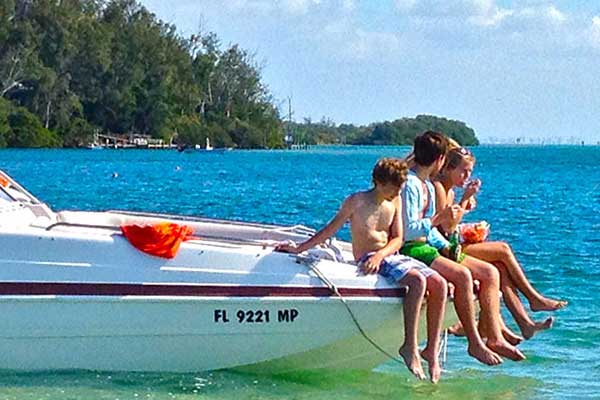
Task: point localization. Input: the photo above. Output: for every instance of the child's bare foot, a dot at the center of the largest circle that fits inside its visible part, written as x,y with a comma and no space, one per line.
510,336
413,361
450,290
435,369
484,355
505,349
530,330
545,304
457,329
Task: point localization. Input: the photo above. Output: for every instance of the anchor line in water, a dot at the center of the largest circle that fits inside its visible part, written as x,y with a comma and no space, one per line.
311,263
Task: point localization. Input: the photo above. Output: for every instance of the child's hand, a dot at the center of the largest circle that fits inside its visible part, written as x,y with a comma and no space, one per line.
471,204
288,247
451,252
450,217
445,252
372,264
472,188
442,217
456,214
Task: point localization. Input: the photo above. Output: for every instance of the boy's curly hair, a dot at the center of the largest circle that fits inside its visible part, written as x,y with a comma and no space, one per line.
390,170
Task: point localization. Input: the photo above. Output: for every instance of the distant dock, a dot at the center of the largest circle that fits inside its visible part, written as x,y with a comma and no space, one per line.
131,141
302,146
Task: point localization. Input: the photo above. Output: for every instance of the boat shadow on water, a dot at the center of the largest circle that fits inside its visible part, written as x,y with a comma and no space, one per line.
394,383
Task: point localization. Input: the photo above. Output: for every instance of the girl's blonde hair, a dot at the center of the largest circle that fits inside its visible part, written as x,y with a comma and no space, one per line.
456,154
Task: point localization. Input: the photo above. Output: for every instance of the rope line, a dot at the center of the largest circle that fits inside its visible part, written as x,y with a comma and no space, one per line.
311,263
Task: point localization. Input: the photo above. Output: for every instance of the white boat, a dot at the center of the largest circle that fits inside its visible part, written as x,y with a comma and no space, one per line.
207,147
94,146
75,294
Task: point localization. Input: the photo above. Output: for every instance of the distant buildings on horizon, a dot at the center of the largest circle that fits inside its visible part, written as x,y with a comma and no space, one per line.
541,141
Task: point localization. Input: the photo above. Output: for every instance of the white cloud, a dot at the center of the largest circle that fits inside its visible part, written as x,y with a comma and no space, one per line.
285,7
491,17
483,13
249,7
343,38
348,5
546,15
594,31
299,6
480,10
373,45
404,5
555,15
349,30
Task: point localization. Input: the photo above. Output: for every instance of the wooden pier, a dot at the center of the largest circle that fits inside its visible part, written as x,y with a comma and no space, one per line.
131,141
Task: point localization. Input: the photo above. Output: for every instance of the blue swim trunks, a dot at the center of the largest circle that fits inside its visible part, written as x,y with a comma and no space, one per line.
396,266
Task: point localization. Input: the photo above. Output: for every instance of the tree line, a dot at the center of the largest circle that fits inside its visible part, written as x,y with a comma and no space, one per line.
399,132
70,69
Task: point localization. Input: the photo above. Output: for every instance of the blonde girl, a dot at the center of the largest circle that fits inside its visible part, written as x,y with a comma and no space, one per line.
456,173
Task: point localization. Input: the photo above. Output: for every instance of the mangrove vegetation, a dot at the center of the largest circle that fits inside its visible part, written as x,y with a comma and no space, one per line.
73,69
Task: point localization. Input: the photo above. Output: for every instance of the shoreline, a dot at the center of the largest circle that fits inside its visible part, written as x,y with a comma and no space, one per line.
299,148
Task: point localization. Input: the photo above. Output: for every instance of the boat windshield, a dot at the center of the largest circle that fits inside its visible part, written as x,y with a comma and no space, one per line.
12,193
4,197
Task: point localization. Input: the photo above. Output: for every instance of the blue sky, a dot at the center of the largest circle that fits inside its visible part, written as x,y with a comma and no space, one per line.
506,68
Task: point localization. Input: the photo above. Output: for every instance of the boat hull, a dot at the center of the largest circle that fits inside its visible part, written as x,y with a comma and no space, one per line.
75,294
137,333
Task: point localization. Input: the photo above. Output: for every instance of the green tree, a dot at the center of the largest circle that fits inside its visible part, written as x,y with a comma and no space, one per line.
20,128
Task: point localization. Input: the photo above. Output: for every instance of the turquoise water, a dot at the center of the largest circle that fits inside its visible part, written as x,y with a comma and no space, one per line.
542,200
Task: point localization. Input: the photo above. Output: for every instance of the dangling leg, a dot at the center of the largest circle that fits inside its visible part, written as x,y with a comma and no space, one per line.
436,306
489,302
413,300
461,278
500,252
527,326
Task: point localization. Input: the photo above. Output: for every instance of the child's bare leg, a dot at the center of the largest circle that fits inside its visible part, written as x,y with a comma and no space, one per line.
500,252
412,307
489,301
461,278
527,326
507,333
510,336
436,307
456,329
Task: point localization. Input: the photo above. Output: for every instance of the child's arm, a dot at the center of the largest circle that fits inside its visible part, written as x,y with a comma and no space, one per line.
441,197
326,232
452,214
468,199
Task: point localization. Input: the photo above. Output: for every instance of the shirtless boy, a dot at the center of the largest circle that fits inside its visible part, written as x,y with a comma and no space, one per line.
425,243
376,226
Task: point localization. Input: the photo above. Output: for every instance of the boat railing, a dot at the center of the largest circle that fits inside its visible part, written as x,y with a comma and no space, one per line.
203,236
205,219
78,225
295,229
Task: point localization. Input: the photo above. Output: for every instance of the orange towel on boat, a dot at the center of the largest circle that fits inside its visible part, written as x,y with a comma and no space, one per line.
161,239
